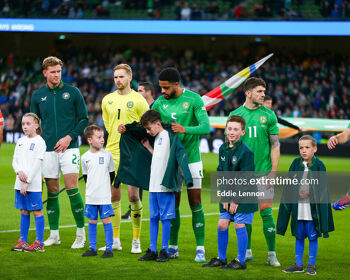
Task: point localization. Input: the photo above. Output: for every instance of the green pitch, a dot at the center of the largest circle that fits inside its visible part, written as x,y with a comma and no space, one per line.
61,262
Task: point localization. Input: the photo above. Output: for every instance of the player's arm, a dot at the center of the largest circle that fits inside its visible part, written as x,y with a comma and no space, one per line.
111,168
105,116
340,138
274,142
201,115
37,162
82,114
17,166
275,151
84,169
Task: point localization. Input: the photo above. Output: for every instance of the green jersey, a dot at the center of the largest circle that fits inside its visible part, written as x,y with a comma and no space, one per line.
260,123
188,110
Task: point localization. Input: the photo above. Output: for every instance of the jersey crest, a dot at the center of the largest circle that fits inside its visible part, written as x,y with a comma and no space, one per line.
101,160
263,119
185,105
65,95
130,104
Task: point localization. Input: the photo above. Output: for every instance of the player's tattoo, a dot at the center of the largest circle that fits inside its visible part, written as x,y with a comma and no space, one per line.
274,142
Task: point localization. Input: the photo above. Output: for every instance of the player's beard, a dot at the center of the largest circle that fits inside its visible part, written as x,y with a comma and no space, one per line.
171,95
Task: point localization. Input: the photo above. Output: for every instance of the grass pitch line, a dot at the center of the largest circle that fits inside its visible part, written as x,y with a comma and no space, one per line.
122,221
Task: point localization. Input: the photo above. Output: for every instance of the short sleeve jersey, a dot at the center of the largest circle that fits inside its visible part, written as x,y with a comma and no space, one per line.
260,123
121,109
159,163
26,151
188,110
97,167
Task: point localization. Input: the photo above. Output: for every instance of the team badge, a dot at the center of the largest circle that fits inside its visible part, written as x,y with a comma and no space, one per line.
234,159
263,119
185,105
65,95
160,141
130,104
32,146
101,160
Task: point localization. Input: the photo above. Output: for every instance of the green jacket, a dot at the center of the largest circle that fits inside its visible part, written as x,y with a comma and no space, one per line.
135,160
62,111
321,212
239,158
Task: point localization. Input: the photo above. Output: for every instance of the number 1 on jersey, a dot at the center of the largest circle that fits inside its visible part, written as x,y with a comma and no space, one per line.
118,114
250,128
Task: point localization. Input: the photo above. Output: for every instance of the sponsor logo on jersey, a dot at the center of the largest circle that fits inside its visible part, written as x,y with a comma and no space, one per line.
110,102
160,141
234,159
65,95
43,98
263,119
130,104
32,146
101,160
185,105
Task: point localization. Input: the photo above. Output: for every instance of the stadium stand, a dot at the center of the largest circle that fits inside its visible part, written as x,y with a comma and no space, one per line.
179,10
300,86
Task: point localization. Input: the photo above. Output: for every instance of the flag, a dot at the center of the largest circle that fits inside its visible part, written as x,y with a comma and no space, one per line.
219,93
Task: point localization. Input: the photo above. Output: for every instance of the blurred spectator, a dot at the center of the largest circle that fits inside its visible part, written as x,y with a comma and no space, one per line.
185,12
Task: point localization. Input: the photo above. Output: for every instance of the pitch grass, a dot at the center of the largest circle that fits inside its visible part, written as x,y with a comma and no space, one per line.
61,262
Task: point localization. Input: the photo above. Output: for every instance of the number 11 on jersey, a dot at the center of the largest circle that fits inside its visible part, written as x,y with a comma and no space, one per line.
252,130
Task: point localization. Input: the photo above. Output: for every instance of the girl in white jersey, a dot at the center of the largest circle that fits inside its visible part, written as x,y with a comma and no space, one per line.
27,163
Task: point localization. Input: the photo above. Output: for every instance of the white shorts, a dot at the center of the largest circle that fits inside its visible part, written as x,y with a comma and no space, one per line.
67,162
269,191
196,169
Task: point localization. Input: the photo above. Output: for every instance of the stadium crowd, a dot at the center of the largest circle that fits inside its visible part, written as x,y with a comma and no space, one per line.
175,9
303,87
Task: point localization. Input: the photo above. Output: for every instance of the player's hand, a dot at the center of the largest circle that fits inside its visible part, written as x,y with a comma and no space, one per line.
304,193
23,190
121,129
332,142
147,145
22,176
62,144
178,128
233,208
225,205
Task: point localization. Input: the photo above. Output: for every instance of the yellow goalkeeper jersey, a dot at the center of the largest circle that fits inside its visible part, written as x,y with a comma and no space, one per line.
121,109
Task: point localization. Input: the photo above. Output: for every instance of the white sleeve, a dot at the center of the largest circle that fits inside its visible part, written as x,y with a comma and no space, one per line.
111,167
83,166
39,151
15,161
36,164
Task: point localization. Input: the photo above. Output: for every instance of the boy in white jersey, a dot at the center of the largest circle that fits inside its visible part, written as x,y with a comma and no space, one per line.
98,171
161,198
27,163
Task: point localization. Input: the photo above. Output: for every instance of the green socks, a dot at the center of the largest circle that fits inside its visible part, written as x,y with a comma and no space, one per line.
175,227
269,228
77,205
198,224
249,228
53,210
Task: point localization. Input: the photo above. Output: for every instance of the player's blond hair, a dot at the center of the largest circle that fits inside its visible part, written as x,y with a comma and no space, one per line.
51,61
125,67
36,119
